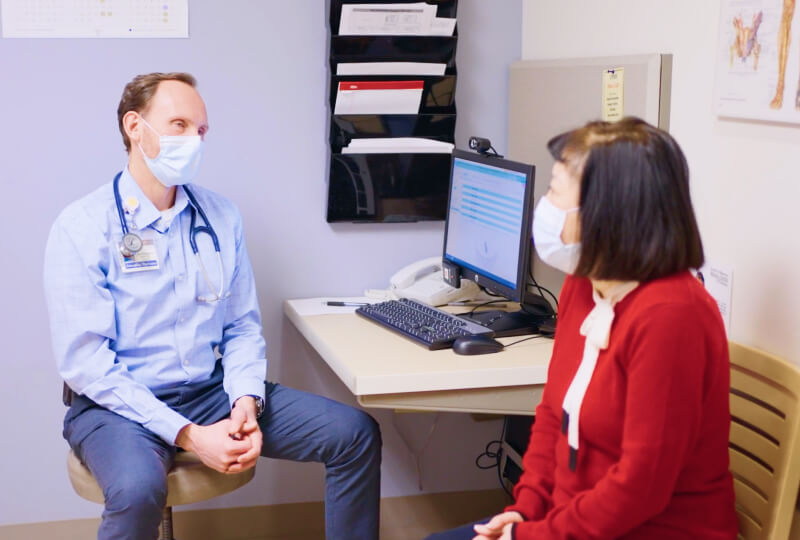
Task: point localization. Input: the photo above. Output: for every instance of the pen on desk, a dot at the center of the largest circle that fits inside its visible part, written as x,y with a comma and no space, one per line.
337,303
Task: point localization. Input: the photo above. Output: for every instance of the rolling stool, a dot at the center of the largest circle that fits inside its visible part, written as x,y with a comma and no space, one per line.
189,481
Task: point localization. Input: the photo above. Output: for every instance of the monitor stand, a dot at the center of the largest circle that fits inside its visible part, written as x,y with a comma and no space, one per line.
515,323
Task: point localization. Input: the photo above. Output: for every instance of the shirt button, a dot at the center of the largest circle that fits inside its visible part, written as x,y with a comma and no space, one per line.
181,319
185,362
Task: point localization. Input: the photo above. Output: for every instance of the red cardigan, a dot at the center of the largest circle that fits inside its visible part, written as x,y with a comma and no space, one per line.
653,456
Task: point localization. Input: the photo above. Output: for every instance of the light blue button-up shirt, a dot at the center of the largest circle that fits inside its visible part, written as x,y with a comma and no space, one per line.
117,336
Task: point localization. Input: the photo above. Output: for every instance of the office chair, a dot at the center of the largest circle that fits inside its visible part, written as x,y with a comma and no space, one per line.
765,432
189,481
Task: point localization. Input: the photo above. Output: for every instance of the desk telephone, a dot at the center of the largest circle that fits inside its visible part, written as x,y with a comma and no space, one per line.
422,281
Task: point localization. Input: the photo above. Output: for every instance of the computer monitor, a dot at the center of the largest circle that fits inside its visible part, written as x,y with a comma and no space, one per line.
488,234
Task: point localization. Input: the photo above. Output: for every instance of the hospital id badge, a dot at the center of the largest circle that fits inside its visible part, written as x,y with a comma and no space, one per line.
143,260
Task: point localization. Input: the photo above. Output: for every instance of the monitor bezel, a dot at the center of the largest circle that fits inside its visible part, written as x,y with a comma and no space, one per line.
517,293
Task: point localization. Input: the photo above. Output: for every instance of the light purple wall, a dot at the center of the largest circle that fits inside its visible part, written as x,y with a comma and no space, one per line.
264,79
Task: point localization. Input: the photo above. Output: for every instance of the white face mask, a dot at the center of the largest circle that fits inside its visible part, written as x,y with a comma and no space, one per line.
178,160
548,223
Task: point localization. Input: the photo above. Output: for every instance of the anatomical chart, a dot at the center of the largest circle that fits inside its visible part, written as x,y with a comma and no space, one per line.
758,60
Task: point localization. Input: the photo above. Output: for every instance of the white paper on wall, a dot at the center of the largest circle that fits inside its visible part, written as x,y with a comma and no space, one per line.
718,281
95,18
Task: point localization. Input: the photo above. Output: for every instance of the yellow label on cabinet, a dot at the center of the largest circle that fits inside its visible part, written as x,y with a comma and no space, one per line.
613,94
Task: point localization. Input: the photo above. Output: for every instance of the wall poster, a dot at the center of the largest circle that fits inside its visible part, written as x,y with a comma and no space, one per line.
758,61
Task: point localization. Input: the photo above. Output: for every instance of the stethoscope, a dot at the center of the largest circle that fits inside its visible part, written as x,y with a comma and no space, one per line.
132,243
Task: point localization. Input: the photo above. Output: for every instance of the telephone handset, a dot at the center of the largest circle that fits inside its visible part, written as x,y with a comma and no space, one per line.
412,273
423,281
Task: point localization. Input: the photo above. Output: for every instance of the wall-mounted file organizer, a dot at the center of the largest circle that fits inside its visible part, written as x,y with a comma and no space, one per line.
388,187
444,8
438,93
437,49
345,128
393,110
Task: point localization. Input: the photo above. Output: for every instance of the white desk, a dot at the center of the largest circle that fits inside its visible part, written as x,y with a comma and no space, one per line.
383,369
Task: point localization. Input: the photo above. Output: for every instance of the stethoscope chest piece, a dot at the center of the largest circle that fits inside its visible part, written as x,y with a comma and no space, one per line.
131,244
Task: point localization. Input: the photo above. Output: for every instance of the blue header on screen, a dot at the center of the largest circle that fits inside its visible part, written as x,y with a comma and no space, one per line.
486,169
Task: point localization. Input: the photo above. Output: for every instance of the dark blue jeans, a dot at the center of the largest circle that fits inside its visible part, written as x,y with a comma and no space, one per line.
130,463
465,532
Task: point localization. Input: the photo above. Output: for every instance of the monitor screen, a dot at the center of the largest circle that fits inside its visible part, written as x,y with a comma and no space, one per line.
487,233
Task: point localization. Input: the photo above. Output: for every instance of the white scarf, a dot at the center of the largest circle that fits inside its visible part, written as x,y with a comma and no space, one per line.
597,328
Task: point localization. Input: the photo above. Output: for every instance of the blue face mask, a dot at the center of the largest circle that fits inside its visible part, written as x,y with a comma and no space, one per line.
178,160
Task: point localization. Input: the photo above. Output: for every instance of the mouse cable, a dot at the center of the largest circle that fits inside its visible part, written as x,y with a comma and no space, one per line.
521,340
470,313
490,293
482,304
495,455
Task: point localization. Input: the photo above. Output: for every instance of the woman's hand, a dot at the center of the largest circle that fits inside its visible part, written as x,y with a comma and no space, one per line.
507,532
499,527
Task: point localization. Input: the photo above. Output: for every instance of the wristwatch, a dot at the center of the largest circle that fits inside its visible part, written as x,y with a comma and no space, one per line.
259,404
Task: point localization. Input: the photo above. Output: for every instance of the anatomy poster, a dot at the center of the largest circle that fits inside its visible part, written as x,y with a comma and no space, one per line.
758,60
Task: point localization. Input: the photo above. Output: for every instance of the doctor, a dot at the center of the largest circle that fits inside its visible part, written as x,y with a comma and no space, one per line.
156,328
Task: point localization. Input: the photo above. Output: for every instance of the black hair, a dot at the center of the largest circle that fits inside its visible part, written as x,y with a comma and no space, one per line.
636,215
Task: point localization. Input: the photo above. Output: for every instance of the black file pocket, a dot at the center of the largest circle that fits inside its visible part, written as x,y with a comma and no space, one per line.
388,187
444,8
431,49
438,93
345,128
402,183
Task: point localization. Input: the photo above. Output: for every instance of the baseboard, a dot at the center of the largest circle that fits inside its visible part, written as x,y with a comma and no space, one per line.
408,517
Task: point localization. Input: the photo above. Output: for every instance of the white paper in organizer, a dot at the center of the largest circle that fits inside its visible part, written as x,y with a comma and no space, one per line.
378,97
387,19
397,145
390,68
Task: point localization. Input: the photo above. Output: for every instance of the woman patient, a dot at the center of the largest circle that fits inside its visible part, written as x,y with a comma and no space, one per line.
631,437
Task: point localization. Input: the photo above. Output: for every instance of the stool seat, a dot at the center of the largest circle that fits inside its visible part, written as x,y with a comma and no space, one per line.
189,480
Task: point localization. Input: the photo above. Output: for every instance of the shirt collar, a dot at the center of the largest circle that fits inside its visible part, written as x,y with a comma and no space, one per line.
146,214
597,325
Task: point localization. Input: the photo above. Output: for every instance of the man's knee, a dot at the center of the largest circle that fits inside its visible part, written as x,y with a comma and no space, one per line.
142,492
366,430
357,432
360,428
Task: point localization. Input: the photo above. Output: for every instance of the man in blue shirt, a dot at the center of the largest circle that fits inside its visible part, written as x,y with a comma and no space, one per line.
156,329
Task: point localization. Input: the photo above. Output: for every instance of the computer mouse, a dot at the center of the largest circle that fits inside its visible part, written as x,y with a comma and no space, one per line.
478,344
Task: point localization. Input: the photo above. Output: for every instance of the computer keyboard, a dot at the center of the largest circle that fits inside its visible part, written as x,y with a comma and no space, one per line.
426,325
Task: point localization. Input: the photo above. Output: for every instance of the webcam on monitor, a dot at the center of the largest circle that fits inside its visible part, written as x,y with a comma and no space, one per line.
483,146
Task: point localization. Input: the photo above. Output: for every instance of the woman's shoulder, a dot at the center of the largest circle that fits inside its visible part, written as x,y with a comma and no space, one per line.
677,289
680,299
672,320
